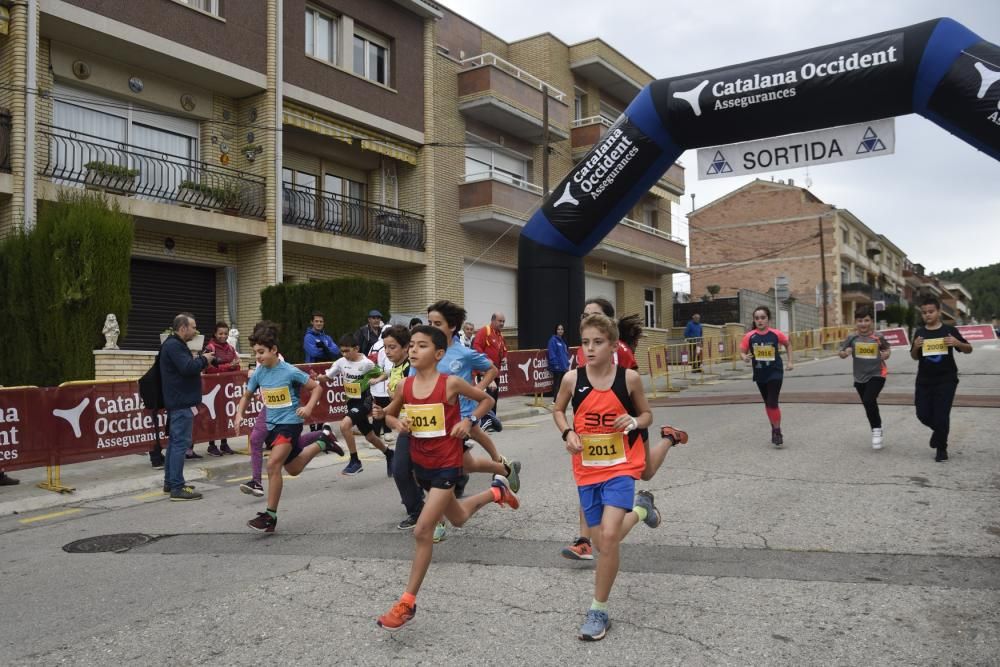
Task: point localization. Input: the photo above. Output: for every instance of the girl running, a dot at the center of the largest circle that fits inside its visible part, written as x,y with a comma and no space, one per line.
760,346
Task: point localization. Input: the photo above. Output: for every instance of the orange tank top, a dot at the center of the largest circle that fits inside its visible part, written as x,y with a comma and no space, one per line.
606,453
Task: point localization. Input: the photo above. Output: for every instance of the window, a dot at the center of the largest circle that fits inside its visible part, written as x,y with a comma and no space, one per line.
649,306
845,236
208,6
486,162
300,196
343,204
579,103
321,36
845,274
609,112
371,57
649,217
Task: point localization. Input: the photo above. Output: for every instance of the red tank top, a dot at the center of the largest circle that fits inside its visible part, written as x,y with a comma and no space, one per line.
431,445
606,453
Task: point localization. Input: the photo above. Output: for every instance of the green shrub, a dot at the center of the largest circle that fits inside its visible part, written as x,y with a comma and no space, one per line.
226,195
344,302
59,282
111,170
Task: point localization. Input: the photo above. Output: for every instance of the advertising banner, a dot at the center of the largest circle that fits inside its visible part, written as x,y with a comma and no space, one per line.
896,337
20,416
973,332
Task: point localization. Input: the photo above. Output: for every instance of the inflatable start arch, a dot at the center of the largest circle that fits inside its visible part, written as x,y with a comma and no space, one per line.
938,69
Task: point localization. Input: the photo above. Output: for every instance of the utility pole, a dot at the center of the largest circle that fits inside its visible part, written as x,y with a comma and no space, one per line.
545,140
822,264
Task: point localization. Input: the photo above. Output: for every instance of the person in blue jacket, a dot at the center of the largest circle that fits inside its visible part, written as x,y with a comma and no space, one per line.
693,334
558,358
318,345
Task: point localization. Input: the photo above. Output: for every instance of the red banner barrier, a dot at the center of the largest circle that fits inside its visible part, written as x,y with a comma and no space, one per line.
896,337
977,332
525,372
20,414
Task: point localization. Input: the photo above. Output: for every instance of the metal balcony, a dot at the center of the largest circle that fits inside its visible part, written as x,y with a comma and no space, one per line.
331,213
855,290
123,169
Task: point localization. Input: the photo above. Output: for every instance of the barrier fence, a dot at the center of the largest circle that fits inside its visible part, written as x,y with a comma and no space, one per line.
91,420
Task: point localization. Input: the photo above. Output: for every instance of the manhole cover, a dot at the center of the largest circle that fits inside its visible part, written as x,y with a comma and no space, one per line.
105,543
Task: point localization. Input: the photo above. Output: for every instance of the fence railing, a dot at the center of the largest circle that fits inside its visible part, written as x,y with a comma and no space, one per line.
120,168
4,140
592,120
863,288
635,224
514,71
331,213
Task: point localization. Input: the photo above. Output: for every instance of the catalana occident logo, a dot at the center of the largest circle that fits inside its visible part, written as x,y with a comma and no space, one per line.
601,167
988,77
742,89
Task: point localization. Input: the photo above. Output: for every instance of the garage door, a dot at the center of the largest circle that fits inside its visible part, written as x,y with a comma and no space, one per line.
489,289
161,290
601,287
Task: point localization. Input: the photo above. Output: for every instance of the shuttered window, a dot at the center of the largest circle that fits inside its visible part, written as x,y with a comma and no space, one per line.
160,291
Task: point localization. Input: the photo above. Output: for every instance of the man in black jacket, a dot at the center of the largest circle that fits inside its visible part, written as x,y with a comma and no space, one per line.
181,377
370,332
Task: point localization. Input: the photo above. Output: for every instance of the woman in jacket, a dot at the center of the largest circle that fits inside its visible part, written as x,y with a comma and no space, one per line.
558,358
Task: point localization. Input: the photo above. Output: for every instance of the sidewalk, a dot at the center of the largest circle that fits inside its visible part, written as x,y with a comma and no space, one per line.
134,474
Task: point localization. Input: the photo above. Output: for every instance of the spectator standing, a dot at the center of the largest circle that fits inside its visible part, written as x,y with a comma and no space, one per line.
468,334
693,334
6,480
226,361
489,341
318,345
369,333
181,377
558,354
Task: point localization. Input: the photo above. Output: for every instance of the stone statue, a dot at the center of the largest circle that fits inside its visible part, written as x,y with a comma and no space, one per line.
111,332
234,338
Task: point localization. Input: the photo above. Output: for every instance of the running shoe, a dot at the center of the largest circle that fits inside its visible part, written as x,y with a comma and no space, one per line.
332,446
776,439
876,438
389,453
213,450
408,523
644,499
352,468
388,437
440,532
507,496
166,487
191,454
513,473
595,626
253,487
263,522
400,614
486,423
495,423
677,436
942,454
185,493
579,550
225,449
157,461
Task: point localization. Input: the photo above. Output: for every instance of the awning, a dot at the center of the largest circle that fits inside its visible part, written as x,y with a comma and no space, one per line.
328,126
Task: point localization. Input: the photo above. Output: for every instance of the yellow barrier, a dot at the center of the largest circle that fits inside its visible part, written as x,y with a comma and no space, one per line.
659,366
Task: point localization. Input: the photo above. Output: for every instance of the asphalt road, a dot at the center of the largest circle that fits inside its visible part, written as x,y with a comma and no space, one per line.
823,552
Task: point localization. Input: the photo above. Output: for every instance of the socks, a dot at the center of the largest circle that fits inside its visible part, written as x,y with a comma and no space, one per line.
641,512
272,513
322,444
774,415
354,457
408,598
599,606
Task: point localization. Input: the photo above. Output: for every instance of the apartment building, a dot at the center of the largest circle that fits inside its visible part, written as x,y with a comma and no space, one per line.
399,142
954,297
767,233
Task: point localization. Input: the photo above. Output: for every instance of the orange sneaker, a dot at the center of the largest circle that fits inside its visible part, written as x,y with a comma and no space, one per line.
503,495
678,436
579,550
400,614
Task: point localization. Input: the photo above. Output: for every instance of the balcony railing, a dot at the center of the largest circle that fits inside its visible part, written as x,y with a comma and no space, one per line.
319,211
504,177
890,298
863,288
119,168
629,222
4,140
514,71
592,120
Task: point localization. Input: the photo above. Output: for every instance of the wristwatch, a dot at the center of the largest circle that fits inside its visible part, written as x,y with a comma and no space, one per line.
473,419
566,433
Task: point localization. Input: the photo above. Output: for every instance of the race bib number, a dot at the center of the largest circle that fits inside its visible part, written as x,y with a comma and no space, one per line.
602,450
352,389
935,346
763,352
427,420
277,397
866,350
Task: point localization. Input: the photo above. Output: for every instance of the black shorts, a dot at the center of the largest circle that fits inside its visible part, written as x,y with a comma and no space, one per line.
290,431
358,409
437,478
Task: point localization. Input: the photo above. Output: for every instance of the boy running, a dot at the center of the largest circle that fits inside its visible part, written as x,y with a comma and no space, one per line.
435,423
760,346
609,409
279,383
870,350
937,375
358,372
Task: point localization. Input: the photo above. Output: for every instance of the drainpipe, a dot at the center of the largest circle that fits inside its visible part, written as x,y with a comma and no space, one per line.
279,264
30,95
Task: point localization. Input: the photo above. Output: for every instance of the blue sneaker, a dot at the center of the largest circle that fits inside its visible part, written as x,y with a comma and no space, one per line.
644,499
352,468
595,626
495,423
440,532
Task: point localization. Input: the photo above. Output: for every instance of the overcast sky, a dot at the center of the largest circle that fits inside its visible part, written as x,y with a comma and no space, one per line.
937,198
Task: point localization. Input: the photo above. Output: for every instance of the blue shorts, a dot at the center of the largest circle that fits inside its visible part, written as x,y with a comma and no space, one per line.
615,492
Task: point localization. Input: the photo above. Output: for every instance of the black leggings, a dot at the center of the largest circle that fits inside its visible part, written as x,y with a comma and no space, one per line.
769,392
869,391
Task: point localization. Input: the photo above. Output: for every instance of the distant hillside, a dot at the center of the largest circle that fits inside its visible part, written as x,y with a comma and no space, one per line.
984,284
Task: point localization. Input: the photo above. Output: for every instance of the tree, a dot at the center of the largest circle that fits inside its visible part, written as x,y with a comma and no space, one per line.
713,290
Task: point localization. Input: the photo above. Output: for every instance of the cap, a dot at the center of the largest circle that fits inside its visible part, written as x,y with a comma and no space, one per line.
374,313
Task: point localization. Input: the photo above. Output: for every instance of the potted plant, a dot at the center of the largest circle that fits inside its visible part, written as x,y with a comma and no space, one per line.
112,177
200,195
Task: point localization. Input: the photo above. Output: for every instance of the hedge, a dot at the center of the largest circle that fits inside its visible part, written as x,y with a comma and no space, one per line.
58,282
344,302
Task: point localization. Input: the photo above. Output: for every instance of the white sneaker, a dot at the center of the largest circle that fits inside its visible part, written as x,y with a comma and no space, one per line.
876,438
